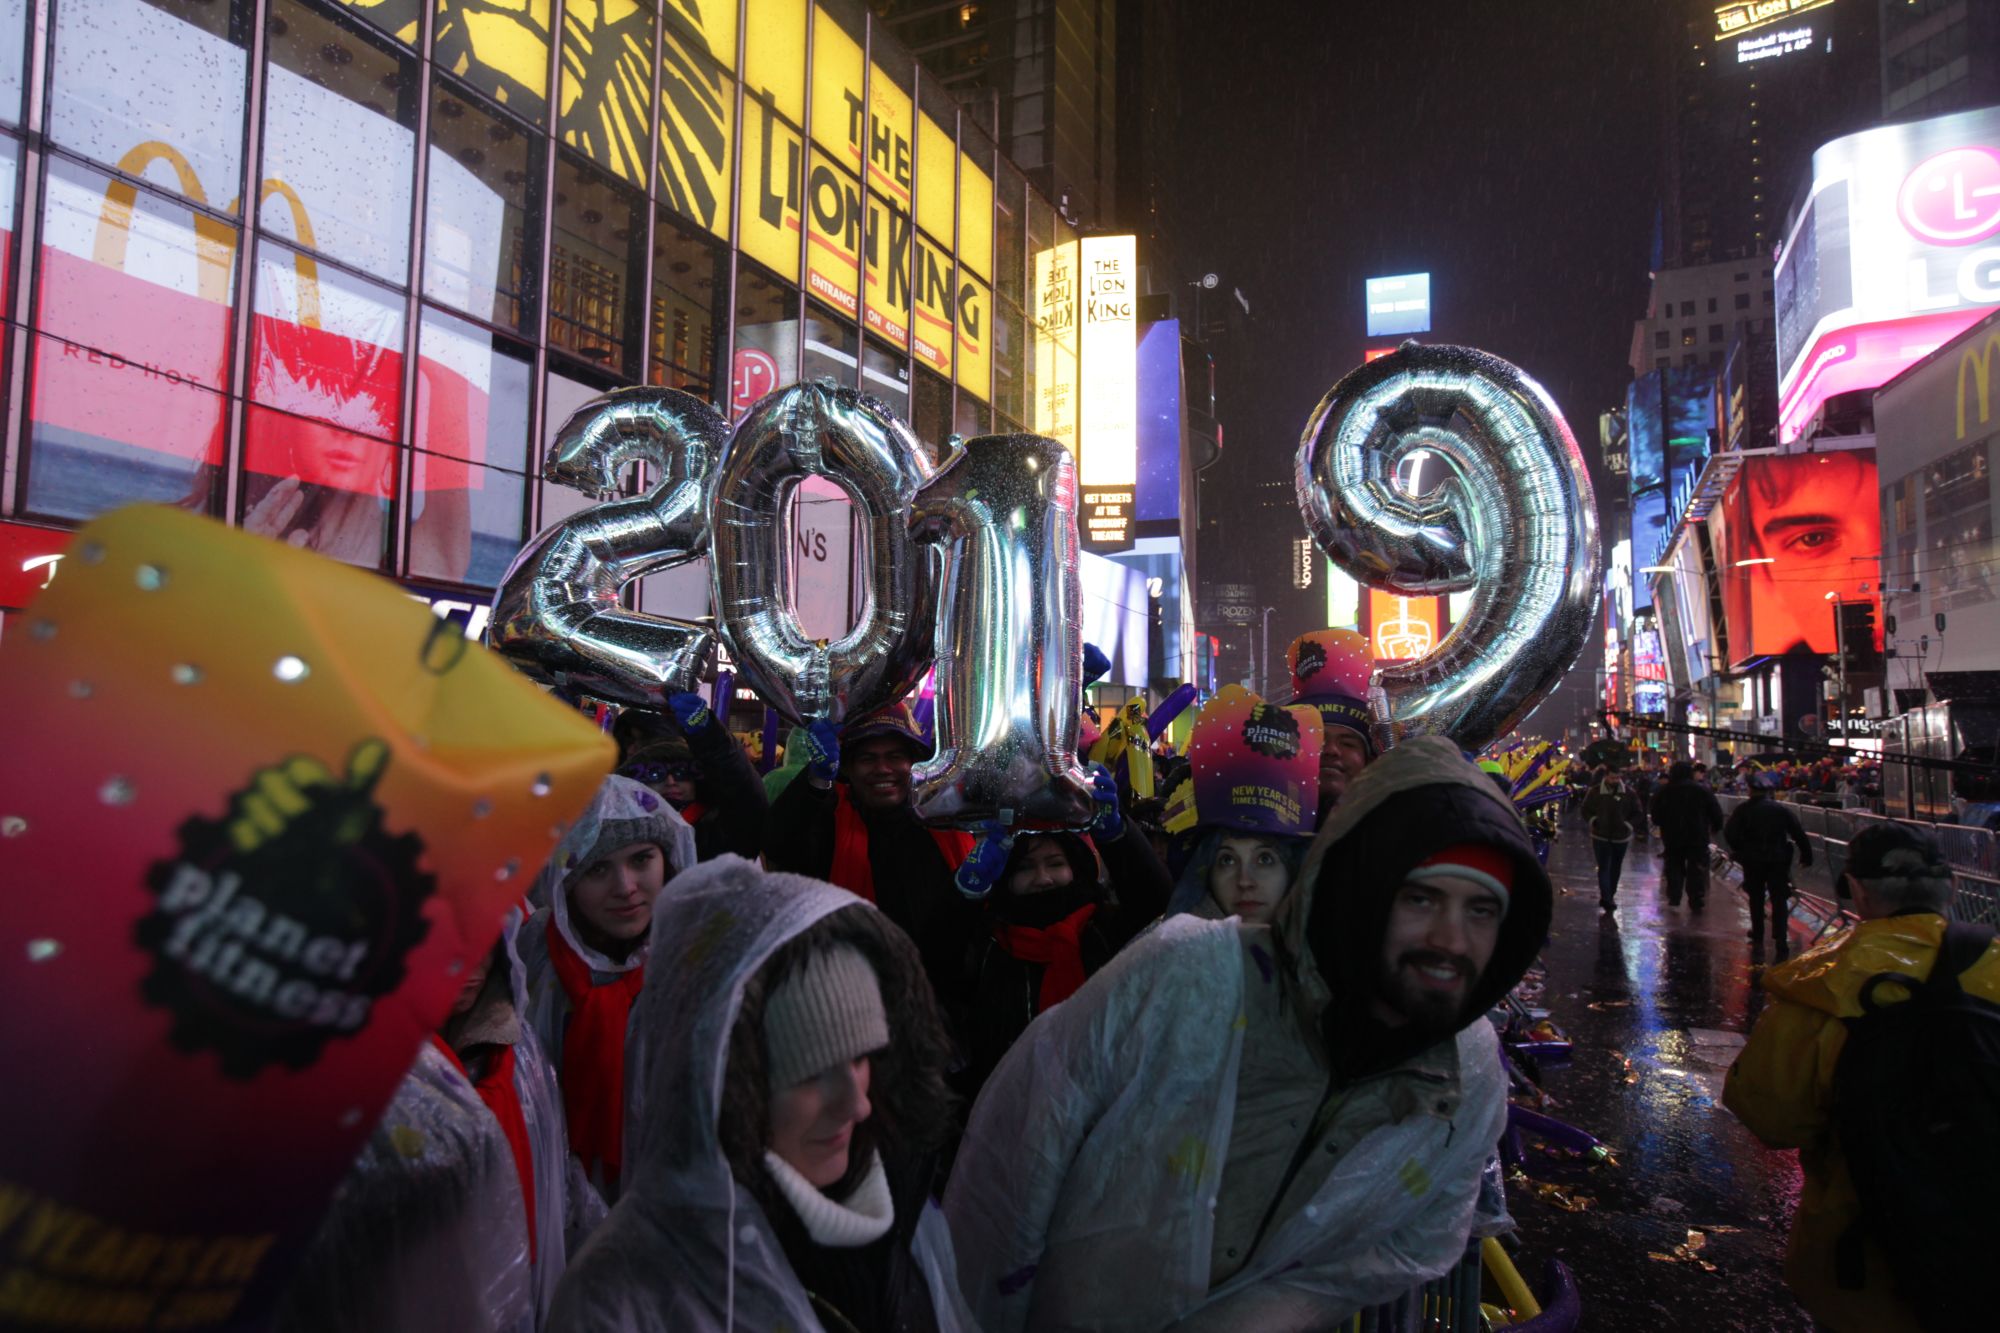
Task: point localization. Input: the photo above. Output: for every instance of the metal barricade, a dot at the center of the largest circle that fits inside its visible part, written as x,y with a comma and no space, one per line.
1974,855
1449,1304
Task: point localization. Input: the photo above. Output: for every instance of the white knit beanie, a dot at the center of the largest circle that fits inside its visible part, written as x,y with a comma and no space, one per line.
826,1013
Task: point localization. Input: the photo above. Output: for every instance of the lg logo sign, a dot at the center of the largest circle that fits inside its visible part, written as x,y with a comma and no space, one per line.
1953,198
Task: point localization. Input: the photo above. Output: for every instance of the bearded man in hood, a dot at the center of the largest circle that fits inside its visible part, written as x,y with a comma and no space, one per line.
1271,1127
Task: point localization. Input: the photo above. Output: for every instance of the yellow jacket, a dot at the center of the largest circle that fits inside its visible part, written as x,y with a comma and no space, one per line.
1781,1086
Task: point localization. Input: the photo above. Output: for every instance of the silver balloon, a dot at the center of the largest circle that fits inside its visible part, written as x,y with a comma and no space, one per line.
1009,636
557,614
819,429
1514,520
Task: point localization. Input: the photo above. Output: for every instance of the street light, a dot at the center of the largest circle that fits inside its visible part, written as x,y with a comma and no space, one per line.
1207,282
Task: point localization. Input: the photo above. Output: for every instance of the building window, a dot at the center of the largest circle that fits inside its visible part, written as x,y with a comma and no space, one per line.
1742,300
131,351
1661,363
1715,333
1711,305
1767,296
684,328
339,109
482,225
1660,338
1691,359
469,488
767,339
593,269
1687,337
1742,277
831,346
1687,308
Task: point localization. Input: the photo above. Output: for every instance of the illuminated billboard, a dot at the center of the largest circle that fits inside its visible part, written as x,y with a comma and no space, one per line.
1649,672
1162,426
1896,251
1739,18
1402,628
1086,375
1792,529
1399,305
1108,390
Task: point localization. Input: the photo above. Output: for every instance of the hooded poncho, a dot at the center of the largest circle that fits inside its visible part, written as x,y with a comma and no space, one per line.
688,1247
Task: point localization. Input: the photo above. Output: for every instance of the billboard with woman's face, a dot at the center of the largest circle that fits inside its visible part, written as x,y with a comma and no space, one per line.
1791,529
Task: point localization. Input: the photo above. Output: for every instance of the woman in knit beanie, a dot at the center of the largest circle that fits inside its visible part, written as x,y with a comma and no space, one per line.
791,1111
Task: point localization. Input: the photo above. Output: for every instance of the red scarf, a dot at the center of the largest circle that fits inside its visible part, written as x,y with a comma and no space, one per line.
852,869
1059,948
593,1061
692,812
496,1088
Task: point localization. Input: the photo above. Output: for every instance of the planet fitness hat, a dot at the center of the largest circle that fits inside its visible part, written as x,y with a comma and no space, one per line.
1330,671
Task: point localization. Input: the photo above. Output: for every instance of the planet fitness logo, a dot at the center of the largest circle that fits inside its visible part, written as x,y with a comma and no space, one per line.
1272,731
1312,660
277,927
1952,198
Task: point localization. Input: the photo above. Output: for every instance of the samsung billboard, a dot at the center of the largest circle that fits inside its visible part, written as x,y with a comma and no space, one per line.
1399,305
1896,251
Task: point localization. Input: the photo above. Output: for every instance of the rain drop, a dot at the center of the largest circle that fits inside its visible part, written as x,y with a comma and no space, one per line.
290,669
350,1117
91,552
508,871
43,629
543,784
80,689
186,673
41,950
12,826
454,967
117,791
150,578
481,808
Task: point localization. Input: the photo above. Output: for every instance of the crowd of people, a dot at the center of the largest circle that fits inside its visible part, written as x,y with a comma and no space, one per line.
778,1054
774,1053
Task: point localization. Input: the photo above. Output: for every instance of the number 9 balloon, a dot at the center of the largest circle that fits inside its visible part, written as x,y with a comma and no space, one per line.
557,614
1514,520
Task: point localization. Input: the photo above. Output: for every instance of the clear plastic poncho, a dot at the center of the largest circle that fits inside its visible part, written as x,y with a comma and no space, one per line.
687,1247
427,1231
1084,1192
544,1007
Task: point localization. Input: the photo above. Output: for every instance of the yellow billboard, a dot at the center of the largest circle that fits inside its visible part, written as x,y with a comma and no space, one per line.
697,115
836,91
937,178
975,216
1056,307
887,311
712,26
932,289
773,191
833,252
607,84
975,336
774,57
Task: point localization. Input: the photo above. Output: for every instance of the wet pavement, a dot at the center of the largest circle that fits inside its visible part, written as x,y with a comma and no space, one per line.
1684,1228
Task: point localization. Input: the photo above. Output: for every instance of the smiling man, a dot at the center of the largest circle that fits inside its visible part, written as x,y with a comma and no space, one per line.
1271,1127
849,821
1330,671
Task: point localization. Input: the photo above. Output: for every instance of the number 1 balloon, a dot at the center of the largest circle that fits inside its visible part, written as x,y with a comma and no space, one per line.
1009,636
557,614
1513,520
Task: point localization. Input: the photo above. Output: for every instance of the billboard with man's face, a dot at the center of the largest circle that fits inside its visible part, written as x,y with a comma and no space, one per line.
1793,528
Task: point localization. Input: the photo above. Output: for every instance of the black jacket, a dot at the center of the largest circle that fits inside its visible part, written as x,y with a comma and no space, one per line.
874,1288
913,882
731,795
1762,831
1005,991
1686,813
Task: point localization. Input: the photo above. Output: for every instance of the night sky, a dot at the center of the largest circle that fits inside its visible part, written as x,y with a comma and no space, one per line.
1511,148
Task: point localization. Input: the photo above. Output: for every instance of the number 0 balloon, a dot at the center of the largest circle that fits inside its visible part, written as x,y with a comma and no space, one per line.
1513,520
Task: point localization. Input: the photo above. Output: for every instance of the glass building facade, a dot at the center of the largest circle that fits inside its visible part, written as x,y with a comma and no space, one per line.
337,272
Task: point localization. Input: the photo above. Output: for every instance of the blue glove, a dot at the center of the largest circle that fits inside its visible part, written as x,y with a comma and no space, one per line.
987,861
1095,664
691,711
1109,821
822,742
